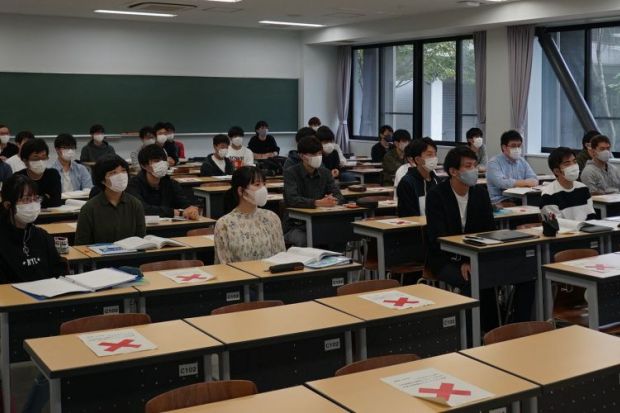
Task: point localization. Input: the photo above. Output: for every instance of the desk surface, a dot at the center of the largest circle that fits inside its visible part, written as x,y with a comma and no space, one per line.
296,399
606,199
58,228
224,274
365,392
265,323
226,187
321,211
74,256
93,255
171,337
197,241
366,310
411,222
260,269
606,259
553,356
370,191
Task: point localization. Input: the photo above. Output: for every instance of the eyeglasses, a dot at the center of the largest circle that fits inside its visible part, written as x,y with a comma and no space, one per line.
30,199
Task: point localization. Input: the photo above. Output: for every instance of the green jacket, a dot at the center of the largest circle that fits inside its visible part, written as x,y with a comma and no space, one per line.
582,158
391,162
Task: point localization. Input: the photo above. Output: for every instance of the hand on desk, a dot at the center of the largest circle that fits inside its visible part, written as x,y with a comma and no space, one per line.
188,213
465,270
335,173
327,201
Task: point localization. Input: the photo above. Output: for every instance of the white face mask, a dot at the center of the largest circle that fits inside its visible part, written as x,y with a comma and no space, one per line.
170,137
222,153
147,142
161,139
328,148
263,132
4,139
315,161
67,154
37,167
604,156
257,197
571,173
430,164
118,182
27,213
237,141
160,169
478,142
315,128
515,153
98,138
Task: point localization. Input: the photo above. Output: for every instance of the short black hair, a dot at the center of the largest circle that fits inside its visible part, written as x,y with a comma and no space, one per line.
2,125
33,146
170,126
588,137
221,138
383,128
159,126
235,131
511,135
303,132
14,188
261,124
146,130
418,146
23,135
473,132
325,134
401,135
104,165
455,155
65,140
150,153
598,139
314,121
309,145
556,157
96,128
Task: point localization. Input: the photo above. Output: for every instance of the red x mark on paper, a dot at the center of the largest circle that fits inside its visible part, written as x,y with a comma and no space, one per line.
112,347
400,302
445,391
190,277
599,267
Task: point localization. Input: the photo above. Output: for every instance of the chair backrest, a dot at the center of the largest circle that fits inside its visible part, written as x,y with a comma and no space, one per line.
364,286
103,322
252,305
200,393
170,265
200,231
528,225
516,330
376,362
574,254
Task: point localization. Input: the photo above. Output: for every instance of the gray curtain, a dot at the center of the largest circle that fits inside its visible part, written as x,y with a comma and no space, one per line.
520,51
343,88
480,63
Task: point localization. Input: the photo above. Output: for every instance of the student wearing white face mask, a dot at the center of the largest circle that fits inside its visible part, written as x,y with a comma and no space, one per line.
509,169
599,174
570,196
166,141
159,194
395,157
249,232
217,163
421,155
475,142
147,137
97,147
73,176
238,154
314,123
112,214
35,154
7,148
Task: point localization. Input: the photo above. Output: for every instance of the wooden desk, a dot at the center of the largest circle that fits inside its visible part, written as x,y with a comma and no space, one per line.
48,216
212,197
326,226
199,180
22,317
296,286
163,299
426,331
82,381
370,191
528,196
504,216
281,346
365,392
362,173
298,399
608,205
576,367
602,287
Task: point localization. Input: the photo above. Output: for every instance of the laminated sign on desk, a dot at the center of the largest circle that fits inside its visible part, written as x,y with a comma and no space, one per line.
187,275
396,300
108,343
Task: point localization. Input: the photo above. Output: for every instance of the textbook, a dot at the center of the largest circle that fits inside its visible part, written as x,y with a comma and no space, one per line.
310,257
133,244
86,282
71,205
591,226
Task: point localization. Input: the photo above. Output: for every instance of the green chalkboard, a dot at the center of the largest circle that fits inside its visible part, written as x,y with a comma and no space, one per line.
52,103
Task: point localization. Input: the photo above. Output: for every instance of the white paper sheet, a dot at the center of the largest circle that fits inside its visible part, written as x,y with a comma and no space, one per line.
396,300
187,275
108,343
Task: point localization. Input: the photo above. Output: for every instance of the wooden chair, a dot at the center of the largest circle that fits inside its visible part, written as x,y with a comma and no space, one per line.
103,322
200,231
376,362
528,225
170,265
516,330
365,286
200,393
252,305
431,279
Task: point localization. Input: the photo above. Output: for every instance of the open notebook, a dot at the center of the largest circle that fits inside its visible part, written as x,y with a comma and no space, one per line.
310,257
71,205
132,244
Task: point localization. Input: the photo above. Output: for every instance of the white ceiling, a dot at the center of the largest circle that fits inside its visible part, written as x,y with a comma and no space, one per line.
245,13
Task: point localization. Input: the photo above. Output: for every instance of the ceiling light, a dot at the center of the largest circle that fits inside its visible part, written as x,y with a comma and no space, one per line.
225,1
136,13
290,23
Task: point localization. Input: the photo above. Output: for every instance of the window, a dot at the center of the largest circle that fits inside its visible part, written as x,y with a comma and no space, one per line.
426,87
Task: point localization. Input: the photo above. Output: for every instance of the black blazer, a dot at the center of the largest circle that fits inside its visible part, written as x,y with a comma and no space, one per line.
410,188
443,218
209,168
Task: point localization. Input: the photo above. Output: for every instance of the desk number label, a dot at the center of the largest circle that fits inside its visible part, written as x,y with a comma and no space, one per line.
530,253
594,244
500,410
337,282
111,309
449,322
189,369
233,296
333,344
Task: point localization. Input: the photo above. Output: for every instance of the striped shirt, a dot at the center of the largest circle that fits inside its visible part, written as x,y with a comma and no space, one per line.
574,203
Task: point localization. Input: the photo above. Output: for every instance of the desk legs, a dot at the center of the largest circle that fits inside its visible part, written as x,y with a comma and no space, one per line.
224,364
463,332
55,400
475,293
539,295
381,257
591,293
360,338
603,209
5,361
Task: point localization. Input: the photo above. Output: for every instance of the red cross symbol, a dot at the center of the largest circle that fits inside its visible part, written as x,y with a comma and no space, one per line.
599,267
112,347
190,277
445,391
400,302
